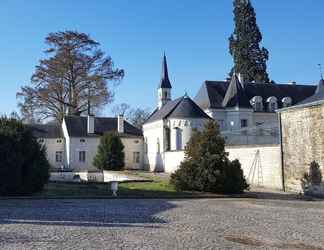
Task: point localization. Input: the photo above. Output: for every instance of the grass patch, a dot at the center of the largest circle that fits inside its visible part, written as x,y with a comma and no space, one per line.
155,187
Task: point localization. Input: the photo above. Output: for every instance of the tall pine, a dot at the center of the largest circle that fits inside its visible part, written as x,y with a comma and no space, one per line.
249,58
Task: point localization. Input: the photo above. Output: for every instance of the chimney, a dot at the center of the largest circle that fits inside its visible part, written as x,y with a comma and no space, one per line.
90,124
120,124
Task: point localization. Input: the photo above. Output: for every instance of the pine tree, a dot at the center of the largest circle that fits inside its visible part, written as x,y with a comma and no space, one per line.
206,166
244,44
110,155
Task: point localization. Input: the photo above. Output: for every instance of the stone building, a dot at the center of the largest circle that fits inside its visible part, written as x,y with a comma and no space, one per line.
302,129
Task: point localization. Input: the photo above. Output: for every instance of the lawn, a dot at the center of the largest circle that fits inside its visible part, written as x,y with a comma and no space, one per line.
154,187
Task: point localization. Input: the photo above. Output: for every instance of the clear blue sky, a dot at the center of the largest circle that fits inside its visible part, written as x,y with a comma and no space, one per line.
193,33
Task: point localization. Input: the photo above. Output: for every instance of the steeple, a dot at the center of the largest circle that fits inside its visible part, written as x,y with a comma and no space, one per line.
165,82
164,88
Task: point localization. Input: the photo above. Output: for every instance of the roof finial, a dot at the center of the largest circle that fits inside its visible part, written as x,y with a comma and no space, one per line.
185,94
320,69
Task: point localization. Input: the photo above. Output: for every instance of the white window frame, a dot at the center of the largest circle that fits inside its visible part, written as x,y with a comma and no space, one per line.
82,156
59,156
136,157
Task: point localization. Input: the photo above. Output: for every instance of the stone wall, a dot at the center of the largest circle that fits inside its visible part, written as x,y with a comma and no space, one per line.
302,141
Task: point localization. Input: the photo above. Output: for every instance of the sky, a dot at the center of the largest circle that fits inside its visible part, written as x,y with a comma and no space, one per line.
135,33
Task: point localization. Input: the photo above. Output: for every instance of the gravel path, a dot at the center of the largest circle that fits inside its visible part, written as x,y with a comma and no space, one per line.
161,224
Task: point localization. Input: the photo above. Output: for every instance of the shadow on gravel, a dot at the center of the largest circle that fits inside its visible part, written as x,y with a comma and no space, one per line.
85,213
281,196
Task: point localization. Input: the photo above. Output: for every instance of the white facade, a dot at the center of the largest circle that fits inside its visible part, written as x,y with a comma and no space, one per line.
77,153
161,150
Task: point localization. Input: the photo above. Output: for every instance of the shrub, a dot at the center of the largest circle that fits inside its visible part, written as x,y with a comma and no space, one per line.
110,155
24,168
313,177
206,166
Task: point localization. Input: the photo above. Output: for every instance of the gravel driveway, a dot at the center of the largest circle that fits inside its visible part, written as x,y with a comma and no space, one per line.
161,224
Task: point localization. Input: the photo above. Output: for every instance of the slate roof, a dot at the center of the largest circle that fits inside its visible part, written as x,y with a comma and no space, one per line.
212,93
165,82
235,95
318,95
77,126
182,107
46,130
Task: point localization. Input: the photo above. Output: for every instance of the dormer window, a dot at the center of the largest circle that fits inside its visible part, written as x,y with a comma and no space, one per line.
272,104
257,103
286,102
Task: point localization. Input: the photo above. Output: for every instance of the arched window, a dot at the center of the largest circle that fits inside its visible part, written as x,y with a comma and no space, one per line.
178,139
286,102
145,145
272,104
158,146
167,139
257,103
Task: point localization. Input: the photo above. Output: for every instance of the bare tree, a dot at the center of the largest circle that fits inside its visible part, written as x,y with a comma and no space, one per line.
120,109
136,116
72,79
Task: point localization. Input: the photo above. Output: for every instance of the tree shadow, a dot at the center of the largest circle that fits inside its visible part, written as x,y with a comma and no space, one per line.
85,213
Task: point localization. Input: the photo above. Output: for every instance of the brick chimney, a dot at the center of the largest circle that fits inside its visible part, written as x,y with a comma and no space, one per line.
90,124
120,124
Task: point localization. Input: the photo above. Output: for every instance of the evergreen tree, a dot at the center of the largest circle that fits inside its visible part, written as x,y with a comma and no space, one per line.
24,168
206,166
110,155
249,58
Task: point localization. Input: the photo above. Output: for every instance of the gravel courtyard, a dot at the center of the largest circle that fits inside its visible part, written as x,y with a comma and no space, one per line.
161,224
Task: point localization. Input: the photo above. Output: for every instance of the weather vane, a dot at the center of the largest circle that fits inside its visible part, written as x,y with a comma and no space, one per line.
320,68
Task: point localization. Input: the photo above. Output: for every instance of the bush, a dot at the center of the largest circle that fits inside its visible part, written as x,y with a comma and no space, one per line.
110,155
24,168
206,166
313,177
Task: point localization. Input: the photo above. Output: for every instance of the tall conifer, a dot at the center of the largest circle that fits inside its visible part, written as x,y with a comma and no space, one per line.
244,44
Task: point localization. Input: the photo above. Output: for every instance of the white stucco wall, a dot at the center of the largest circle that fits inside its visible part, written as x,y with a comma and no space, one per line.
90,146
52,146
154,131
269,168
270,163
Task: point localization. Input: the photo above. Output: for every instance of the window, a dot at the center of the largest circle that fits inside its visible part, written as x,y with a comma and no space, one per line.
59,141
41,140
178,139
272,104
82,156
257,103
165,95
286,102
168,139
244,123
82,140
258,106
59,156
145,145
158,146
136,157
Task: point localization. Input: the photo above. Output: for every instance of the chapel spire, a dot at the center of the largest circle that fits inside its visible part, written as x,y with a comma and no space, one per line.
164,88
165,82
